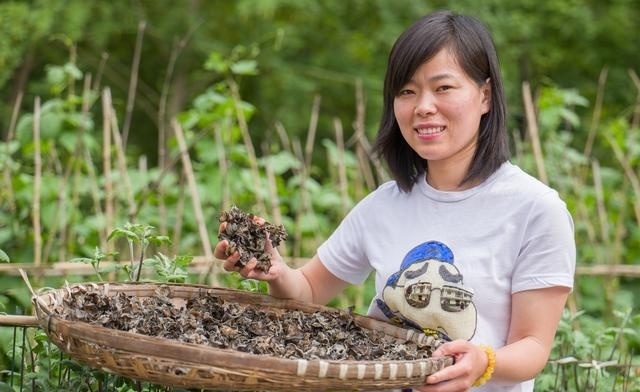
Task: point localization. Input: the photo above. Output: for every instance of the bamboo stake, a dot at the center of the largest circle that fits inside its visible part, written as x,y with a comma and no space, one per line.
631,175
14,116
313,128
223,167
106,160
273,197
532,127
195,199
131,96
18,321
284,138
595,120
178,218
37,182
200,264
602,214
246,137
59,222
103,61
85,153
342,170
122,165
162,133
362,144
303,205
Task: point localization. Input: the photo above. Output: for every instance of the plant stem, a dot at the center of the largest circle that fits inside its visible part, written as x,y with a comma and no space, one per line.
532,127
37,182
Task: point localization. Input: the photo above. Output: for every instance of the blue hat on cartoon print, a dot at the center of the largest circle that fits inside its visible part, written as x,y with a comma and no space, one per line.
431,250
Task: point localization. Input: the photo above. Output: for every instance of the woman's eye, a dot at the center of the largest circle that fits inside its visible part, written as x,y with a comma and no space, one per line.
405,92
444,88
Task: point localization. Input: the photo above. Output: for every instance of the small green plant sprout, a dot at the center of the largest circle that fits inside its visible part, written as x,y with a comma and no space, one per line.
98,257
171,270
140,236
4,257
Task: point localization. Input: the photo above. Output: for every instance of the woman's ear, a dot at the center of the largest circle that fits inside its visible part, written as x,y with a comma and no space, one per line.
486,95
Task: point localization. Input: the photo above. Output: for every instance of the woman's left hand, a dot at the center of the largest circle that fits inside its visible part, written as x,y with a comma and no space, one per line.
470,363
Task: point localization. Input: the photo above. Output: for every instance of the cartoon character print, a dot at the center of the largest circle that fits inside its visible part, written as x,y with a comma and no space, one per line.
427,293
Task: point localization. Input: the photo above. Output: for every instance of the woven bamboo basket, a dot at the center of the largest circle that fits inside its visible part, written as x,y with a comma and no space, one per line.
176,364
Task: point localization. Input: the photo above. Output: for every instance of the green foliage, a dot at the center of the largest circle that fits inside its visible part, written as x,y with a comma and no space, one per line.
588,355
98,256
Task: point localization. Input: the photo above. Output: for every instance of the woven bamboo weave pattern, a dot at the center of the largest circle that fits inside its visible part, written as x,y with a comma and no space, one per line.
176,364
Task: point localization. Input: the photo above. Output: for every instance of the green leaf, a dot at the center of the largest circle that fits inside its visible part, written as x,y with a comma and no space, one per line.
4,257
216,63
245,67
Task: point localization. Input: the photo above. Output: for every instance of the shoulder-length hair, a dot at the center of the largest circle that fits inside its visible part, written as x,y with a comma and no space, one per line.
472,45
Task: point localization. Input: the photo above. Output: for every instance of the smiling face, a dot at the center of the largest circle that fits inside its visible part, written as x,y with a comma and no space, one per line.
439,110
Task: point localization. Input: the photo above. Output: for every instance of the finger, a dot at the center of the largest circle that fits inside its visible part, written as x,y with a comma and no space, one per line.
248,271
231,261
220,251
222,227
451,348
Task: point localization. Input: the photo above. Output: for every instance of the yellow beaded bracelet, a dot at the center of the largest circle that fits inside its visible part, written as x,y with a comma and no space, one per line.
491,365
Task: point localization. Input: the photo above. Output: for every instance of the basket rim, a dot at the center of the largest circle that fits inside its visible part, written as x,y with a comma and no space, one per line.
198,355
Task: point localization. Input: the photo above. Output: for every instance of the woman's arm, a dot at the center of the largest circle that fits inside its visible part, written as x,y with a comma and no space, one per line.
535,315
311,283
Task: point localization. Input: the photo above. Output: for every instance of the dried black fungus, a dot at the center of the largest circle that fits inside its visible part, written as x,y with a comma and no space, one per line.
249,237
208,319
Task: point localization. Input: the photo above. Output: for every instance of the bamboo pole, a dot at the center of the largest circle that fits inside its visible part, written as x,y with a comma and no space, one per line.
532,127
597,111
162,131
178,219
201,264
37,183
363,146
133,83
118,142
101,66
14,116
601,209
106,161
631,175
313,128
251,154
342,170
274,199
195,199
18,321
303,203
85,154
284,138
223,167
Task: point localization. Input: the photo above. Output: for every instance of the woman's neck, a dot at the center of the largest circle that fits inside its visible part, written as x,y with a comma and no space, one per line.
447,178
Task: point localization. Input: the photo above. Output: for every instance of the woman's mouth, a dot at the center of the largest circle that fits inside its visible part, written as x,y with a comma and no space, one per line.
429,130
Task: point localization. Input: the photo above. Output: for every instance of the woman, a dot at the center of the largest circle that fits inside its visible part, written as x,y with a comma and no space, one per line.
463,244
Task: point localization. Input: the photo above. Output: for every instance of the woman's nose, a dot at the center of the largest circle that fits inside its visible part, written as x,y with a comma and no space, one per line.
425,105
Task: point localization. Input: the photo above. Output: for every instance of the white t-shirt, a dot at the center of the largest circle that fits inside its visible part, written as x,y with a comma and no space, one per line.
455,258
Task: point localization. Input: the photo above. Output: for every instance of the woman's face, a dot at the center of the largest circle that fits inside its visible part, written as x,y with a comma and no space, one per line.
439,110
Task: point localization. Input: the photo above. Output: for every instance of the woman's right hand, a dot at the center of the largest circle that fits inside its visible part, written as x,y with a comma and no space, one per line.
249,271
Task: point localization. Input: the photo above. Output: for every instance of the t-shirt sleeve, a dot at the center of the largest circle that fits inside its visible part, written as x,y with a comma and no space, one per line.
343,253
547,257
